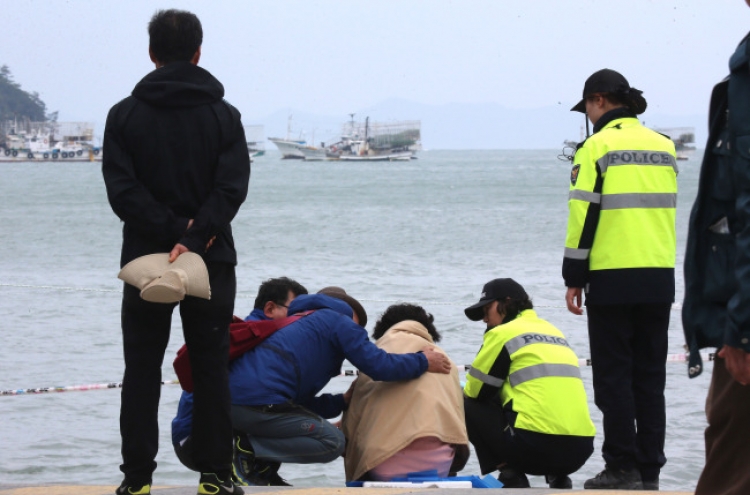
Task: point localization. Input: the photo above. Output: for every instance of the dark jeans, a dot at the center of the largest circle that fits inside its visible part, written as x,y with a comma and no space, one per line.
145,331
289,433
628,357
727,454
496,442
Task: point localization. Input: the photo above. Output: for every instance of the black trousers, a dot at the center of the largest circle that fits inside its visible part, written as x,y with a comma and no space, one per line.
628,357
495,442
145,332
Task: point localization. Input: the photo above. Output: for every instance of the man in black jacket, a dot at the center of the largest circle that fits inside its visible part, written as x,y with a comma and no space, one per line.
176,168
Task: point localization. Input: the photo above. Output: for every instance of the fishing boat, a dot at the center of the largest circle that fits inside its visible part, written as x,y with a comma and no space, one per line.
683,139
289,147
366,141
312,153
255,141
45,141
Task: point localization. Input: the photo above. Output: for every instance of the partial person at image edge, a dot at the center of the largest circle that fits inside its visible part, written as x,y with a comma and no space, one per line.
716,309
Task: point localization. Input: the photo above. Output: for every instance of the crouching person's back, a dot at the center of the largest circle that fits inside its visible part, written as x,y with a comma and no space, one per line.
396,428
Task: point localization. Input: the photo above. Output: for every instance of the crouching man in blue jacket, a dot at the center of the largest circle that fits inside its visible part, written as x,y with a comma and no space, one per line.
274,387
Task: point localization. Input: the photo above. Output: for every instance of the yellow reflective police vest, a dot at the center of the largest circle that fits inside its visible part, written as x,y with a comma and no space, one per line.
629,173
543,383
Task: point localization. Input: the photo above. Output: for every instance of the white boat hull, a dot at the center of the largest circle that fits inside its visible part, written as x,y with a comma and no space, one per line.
289,149
390,157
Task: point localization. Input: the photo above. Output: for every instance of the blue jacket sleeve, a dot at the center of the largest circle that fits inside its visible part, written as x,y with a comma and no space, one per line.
375,362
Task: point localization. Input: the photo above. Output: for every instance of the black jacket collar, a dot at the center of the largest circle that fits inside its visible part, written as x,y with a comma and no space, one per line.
617,113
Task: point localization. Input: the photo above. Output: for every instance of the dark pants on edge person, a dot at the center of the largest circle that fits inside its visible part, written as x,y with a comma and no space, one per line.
628,356
527,451
727,453
145,330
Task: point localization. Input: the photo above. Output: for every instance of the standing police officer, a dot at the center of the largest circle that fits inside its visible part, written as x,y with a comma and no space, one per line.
620,248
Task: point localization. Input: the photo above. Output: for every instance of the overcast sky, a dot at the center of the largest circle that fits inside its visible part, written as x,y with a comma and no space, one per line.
333,57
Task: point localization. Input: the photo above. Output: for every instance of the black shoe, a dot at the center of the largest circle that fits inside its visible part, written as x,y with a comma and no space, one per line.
511,478
128,488
652,485
615,479
558,481
210,484
266,473
250,471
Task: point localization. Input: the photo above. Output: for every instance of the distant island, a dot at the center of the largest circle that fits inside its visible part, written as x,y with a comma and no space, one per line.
16,103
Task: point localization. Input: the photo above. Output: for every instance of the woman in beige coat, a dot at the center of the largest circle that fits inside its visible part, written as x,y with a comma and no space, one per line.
396,428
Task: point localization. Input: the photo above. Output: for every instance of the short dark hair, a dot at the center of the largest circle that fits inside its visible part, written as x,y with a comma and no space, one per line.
174,35
277,291
401,312
513,307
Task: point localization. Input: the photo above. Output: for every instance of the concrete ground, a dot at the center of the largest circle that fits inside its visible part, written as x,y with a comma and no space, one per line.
256,490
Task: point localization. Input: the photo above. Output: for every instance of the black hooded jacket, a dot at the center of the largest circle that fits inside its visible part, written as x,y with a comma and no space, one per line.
716,309
176,151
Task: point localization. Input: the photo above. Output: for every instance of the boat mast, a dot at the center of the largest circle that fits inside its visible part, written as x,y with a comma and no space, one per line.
366,146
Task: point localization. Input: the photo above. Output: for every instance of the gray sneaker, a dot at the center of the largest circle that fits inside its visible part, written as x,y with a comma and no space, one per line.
615,479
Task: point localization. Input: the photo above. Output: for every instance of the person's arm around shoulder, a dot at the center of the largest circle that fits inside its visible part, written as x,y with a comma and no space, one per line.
437,362
379,364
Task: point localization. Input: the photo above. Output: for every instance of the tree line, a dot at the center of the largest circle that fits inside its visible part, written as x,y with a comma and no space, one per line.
20,105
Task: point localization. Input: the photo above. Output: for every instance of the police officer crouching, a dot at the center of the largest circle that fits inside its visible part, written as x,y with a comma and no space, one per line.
526,407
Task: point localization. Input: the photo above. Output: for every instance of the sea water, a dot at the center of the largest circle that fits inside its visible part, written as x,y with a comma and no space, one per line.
430,231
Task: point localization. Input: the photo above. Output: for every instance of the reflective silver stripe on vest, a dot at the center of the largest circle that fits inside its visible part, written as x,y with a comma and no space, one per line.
484,378
534,338
542,370
577,254
625,157
639,200
591,197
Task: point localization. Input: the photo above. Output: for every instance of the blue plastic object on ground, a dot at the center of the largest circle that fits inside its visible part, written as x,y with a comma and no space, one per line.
421,477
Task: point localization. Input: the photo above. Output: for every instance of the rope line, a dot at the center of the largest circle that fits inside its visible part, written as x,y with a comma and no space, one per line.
671,358
63,288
